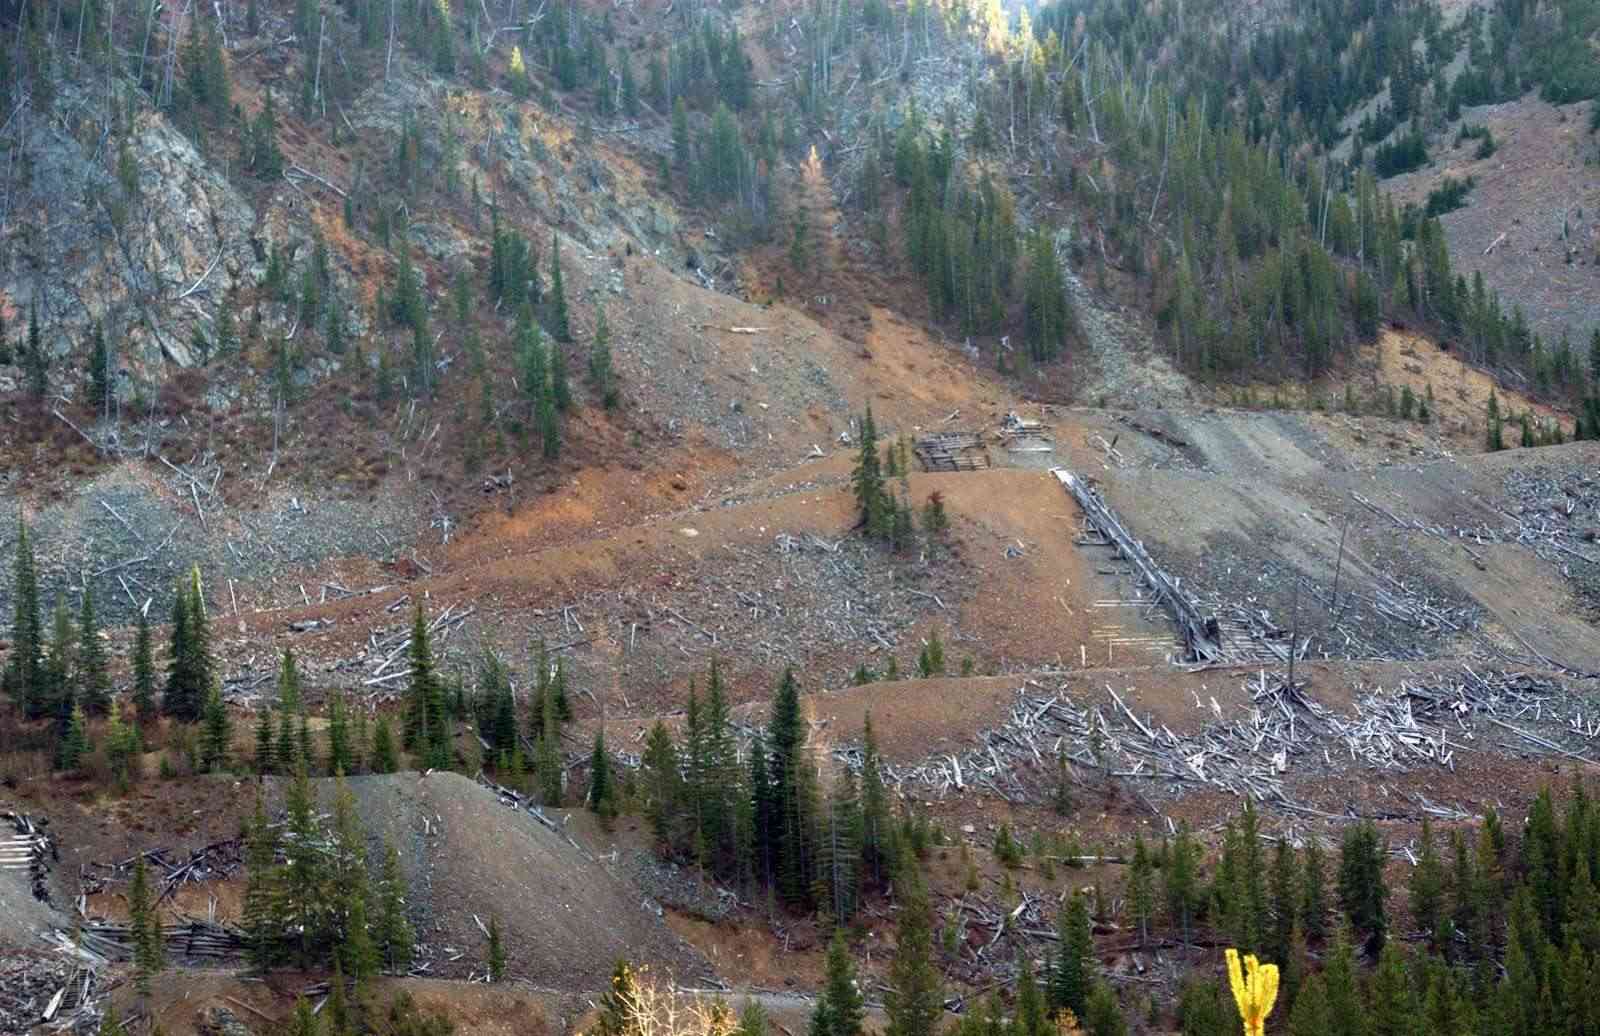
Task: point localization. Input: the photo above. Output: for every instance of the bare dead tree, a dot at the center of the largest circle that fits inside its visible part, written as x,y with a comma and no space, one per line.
388,58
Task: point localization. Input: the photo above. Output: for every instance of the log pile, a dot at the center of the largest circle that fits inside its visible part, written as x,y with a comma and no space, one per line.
29,849
952,451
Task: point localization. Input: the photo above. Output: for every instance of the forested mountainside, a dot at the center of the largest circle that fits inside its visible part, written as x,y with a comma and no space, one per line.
1222,166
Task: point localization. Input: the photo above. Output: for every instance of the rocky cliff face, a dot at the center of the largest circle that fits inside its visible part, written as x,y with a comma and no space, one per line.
155,239
150,243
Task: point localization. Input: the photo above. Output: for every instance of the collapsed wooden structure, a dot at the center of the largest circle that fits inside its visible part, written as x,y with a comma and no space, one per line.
1022,435
29,849
952,451
104,941
1201,634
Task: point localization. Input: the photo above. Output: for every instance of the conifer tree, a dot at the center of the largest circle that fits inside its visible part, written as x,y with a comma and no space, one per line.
601,797
556,299
840,857
218,734
715,763
358,955
261,912
111,1024
149,952
931,661
661,779
346,870
263,740
753,1019
385,759
618,1003
99,370
1392,1004
1180,880
547,753
75,739
59,664
305,1022
304,878
266,160
1284,892
1314,903
288,682
1309,1016
680,135
497,951
785,745
1427,885
600,373
877,827
1247,898
36,362
1141,891
1071,975
25,668
341,754
339,1021
1030,1019
560,389
422,697
840,1009
189,664
144,671
94,682
123,746
288,752
549,424
914,1003
1361,887
873,504
1345,1010
395,939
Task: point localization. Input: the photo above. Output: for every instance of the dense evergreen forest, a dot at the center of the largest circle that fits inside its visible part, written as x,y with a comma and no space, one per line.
1209,161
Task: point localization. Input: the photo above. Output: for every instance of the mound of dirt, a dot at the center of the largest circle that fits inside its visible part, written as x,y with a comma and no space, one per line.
565,919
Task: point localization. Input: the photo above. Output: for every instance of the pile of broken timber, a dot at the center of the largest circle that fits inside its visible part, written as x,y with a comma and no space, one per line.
219,860
386,653
952,451
28,849
1253,750
188,940
1020,435
1200,632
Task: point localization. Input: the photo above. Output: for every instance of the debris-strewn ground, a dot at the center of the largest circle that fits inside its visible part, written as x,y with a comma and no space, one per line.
28,979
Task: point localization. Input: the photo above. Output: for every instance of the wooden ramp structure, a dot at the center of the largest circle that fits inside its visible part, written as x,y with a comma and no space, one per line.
1201,634
952,451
